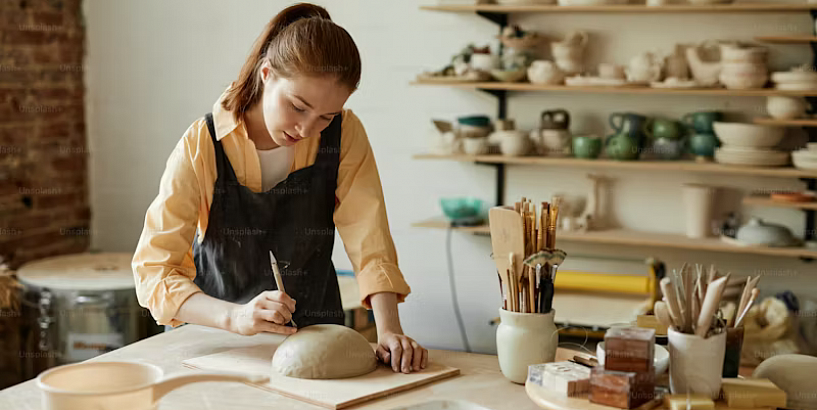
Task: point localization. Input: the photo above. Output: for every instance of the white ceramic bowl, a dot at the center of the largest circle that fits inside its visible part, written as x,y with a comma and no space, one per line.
803,162
753,154
660,361
729,158
509,76
748,135
744,69
743,81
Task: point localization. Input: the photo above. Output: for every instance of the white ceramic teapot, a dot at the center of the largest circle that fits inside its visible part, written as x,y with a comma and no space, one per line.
645,67
545,72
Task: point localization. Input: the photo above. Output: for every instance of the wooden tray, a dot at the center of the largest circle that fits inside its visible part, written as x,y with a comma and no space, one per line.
332,394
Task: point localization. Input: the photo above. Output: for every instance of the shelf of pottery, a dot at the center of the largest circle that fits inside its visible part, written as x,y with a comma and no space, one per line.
697,142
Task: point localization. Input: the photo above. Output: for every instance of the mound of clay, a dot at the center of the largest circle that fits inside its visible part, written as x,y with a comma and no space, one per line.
324,352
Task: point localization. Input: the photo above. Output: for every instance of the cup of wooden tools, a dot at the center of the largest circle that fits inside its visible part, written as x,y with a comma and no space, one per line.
526,261
697,328
734,327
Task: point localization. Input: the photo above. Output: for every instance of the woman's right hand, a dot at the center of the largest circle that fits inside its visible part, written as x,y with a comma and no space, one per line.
267,312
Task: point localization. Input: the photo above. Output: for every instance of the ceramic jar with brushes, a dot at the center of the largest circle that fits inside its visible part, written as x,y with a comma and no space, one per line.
697,331
526,262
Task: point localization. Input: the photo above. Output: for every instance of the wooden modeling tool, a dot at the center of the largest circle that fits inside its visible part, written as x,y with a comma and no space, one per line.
279,281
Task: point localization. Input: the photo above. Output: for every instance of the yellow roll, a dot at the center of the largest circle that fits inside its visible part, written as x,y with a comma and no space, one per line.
593,282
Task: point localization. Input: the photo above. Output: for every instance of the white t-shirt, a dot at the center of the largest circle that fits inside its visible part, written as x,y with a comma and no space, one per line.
275,165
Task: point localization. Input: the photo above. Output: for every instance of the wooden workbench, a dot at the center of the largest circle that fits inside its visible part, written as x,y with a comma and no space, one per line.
480,380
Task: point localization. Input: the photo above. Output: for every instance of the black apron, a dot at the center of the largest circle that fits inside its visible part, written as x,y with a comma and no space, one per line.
293,220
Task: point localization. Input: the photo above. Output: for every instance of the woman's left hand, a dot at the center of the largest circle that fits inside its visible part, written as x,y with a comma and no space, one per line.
401,352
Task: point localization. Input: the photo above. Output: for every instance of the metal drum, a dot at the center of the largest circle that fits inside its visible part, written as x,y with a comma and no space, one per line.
77,307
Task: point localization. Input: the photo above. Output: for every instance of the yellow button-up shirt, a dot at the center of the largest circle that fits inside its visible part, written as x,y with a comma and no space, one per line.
163,265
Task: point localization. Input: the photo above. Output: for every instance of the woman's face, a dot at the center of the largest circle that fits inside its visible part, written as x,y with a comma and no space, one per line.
300,107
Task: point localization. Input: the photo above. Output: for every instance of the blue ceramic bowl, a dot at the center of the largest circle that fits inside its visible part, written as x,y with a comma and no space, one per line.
475,121
463,210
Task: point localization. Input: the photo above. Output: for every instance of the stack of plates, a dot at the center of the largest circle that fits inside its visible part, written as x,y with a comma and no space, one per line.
798,79
754,157
806,158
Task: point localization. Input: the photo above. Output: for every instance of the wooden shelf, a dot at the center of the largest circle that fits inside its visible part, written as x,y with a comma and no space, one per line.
633,8
787,39
764,92
766,201
627,237
687,166
787,123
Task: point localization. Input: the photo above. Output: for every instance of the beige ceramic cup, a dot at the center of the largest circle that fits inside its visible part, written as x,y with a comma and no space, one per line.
696,364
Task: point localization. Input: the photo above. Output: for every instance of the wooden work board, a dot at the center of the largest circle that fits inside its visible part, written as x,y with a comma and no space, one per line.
332,394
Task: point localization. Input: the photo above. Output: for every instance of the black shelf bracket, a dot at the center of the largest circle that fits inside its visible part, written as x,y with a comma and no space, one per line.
502,100
500,19
500,181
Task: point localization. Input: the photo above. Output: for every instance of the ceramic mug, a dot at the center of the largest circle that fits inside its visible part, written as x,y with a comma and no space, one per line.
661,128
523,339
586,146
622,147
484,62
703,145
475,146
118,385
696,364
702,121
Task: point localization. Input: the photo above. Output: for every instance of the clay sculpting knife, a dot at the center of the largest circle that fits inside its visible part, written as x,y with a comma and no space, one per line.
279,282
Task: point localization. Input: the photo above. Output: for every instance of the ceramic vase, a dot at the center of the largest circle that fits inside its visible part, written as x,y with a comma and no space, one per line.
523,339
699,201
696,363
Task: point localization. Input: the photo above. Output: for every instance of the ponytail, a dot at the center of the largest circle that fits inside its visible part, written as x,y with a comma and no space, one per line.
301,39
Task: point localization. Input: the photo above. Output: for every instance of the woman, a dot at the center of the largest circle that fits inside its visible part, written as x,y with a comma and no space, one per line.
276,167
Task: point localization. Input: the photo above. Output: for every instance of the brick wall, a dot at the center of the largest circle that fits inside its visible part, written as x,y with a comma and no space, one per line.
44,207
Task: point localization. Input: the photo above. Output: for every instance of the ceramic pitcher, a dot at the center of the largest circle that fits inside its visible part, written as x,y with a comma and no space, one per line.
629,123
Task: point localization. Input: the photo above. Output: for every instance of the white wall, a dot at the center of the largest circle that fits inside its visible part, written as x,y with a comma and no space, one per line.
155,66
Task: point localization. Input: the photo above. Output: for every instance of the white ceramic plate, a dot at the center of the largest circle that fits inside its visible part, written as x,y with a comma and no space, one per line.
675,84
796,86
761,161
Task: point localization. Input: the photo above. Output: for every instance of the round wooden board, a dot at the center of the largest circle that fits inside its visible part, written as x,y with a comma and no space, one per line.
551,400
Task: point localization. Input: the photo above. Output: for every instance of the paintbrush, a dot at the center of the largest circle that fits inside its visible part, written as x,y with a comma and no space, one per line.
279,281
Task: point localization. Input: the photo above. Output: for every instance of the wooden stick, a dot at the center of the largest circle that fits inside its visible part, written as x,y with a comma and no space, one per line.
672,303
744,297
532,290
710,305
748,306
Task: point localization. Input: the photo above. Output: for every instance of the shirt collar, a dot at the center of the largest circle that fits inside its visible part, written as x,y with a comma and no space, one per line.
225,123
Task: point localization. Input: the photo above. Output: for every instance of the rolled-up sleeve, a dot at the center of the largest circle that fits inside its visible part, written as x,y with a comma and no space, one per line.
360,216
163,265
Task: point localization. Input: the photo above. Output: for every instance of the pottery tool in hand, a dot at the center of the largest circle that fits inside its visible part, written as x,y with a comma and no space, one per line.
279,281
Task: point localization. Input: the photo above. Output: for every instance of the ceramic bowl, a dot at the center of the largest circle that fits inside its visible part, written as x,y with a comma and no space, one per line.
475,120
741,69
475,146
786,108
660,360
509,76
748,135
757,232
463,210
470,131
802,162
753,154
743,82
